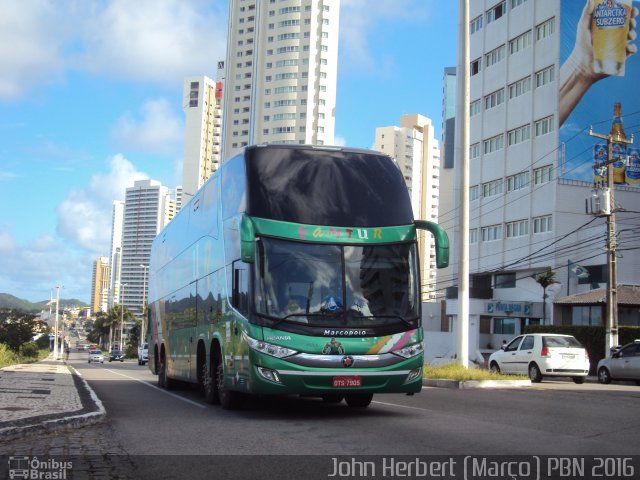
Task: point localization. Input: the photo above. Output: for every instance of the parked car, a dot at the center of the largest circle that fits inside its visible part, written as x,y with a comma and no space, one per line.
540,355
143,354
96,356
116,355
623,363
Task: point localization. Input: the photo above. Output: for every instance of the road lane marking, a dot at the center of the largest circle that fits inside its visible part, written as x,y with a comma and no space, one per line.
158,388
401,406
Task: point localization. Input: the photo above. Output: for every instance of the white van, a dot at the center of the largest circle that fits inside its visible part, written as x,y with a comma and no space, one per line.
143,354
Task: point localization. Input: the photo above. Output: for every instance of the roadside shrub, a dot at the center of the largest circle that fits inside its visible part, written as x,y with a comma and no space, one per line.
29,349
7,356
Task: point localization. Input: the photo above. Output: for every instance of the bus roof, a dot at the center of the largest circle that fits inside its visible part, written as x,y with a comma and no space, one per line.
326,186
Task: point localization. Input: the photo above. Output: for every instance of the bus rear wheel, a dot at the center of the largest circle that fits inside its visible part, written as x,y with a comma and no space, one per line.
164,381
359,400
209,386
228,399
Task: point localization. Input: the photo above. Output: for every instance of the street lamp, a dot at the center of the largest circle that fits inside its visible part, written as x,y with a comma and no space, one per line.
144,302
121,311
55,339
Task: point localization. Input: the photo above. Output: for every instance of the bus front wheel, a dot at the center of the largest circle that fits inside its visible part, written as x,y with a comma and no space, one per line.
359,400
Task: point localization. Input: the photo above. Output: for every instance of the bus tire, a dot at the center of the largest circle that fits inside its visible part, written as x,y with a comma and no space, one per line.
359,400
164,380
228,399
209,385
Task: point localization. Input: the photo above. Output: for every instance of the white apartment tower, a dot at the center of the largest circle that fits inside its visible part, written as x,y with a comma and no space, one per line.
115,257
415,149
531,169
280,73
148,208
202,105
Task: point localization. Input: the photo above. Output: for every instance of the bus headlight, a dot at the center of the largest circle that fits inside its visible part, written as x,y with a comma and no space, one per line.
410,351
269,348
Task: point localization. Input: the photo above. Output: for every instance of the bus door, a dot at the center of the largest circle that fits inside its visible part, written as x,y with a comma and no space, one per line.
240,301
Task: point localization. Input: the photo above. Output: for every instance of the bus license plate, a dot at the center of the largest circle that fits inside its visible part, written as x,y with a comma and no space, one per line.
341,382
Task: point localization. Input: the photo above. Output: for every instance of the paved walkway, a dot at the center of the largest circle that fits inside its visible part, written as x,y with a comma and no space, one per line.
45,396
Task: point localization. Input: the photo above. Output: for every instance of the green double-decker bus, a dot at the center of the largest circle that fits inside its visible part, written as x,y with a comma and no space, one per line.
292,270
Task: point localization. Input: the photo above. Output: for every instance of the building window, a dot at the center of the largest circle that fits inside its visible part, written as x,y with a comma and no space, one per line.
288,49
545,29
474,151
473,235
518,135
287,89
504,326
542,175
542,224
586,315
475,67
475,25
289,23
505,280
285,10
284,130
496,12
544,126
474,193
545,76
494,99
493,144
492,233
519,228
494,56
490,189
520,42
517,181
520,87
288,36
475,108
516,3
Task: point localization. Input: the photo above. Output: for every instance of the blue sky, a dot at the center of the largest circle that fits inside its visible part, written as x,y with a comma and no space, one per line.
91,100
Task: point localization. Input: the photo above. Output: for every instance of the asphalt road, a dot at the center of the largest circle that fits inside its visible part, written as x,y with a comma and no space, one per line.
550,418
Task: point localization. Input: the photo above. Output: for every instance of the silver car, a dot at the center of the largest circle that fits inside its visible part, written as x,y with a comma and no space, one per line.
622,364
96,356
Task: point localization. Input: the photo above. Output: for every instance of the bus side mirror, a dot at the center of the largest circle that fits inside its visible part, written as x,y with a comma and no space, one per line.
441,238
247,240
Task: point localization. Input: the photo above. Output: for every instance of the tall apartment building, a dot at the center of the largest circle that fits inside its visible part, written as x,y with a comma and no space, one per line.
280,73
415,149
202,105
115,257
148,208
531,169
100,285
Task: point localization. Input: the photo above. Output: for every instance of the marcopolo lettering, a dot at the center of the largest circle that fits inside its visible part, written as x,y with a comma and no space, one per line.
344,333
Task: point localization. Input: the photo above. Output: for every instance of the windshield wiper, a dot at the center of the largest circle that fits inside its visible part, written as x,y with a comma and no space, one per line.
397,317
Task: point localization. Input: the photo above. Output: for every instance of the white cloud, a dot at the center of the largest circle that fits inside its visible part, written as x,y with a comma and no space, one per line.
148,41
157,131
155,41
84,216
360,20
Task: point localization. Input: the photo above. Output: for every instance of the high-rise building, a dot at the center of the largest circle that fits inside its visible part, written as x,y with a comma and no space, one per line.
280,73
202,104
531,167
147,209
415,149
115,257
100,285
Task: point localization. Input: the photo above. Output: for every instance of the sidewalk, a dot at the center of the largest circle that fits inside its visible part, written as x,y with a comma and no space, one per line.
45,396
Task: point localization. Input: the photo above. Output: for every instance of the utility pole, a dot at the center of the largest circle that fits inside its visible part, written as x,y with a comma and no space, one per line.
616,136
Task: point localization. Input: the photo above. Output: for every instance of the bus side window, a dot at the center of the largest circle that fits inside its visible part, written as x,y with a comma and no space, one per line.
240,296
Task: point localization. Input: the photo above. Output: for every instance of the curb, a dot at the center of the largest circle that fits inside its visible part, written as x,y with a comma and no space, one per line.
92,412
469,384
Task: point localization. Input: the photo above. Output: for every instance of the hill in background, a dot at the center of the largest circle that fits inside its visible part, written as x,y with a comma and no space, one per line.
9,301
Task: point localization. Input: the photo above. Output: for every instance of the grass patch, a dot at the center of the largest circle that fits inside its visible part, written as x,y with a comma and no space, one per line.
9,357
454,371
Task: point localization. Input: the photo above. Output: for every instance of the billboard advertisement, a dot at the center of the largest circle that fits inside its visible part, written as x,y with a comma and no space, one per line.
599,67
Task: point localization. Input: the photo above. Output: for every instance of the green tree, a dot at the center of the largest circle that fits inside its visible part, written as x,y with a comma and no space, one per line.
545,279
17,327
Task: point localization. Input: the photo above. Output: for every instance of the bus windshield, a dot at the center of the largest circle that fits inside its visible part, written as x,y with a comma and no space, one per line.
336,285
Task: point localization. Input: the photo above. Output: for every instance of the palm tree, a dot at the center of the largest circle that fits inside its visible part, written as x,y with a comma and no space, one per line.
545,279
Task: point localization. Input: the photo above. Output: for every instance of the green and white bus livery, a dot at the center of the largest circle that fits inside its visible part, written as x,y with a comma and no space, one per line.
293,270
